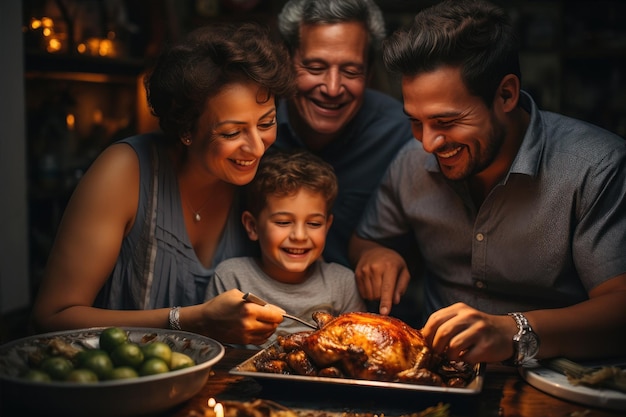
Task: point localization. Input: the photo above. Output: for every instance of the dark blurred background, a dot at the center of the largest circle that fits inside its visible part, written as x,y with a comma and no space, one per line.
82,66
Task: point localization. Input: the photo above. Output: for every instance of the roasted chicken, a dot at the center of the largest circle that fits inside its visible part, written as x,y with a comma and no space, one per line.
363,346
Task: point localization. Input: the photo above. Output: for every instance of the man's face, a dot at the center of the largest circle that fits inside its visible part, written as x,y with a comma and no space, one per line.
331,76
454,125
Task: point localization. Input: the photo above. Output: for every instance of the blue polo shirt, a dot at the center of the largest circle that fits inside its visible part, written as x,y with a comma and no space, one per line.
360,158
553,229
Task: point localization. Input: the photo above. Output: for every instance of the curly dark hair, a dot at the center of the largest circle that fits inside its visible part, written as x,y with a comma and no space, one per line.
283,173
209,58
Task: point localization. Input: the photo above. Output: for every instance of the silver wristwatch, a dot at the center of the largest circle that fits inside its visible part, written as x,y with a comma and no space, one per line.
525,341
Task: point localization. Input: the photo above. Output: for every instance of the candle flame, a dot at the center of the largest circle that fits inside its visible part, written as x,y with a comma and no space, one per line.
219,410
215,409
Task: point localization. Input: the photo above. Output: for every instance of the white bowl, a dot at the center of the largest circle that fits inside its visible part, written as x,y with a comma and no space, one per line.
114,398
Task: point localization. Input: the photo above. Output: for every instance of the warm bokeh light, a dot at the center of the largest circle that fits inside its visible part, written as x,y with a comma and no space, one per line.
71,121
97,116
54,40
106,48
98,47
54,45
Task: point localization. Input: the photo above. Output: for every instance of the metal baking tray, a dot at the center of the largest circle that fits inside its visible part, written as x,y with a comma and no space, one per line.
247,368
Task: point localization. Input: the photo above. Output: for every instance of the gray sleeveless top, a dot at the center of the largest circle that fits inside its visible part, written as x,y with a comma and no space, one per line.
157,266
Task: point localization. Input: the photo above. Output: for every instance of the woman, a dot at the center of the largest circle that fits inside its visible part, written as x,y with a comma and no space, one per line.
155,213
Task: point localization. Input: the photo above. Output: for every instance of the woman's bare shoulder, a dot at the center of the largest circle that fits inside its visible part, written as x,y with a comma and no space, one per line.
117,164
111,184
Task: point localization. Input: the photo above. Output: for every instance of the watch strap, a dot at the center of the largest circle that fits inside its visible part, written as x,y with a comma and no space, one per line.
522,322
523,327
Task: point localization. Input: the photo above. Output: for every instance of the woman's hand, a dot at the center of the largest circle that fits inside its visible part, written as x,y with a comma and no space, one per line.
464,333
230,319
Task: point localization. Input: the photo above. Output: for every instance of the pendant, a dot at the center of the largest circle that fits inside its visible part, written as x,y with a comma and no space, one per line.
196,217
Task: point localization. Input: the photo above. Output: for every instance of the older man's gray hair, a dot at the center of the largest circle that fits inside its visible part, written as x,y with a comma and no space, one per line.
297,12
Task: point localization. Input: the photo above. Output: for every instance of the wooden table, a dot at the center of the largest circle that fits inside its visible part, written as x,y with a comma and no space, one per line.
504,393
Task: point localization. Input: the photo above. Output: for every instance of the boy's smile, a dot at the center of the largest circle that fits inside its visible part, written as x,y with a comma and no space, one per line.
291,231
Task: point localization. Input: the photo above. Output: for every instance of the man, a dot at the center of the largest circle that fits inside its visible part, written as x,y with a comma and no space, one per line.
515,210
333,46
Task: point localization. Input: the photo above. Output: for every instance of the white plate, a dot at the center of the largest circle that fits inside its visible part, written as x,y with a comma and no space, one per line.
556,384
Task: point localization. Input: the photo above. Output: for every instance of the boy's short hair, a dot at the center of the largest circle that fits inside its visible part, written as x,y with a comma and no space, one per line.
283,173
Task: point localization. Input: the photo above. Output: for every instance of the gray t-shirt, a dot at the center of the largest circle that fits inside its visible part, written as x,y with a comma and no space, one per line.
552,230
330,287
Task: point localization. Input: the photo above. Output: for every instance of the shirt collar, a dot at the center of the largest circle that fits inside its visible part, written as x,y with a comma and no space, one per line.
529,154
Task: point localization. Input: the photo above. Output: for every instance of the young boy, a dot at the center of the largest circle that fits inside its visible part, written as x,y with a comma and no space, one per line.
289,213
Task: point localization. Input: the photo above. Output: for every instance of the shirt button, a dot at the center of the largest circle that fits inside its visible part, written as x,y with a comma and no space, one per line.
480,237
479,284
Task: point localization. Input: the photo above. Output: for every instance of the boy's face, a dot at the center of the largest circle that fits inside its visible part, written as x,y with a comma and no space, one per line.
291,231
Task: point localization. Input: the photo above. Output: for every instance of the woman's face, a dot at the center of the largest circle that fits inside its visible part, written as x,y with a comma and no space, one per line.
234,130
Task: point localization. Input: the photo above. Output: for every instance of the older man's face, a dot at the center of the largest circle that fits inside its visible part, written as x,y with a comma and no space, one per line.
331,75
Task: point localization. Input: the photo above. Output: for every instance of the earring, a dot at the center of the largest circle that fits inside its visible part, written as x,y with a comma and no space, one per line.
186,140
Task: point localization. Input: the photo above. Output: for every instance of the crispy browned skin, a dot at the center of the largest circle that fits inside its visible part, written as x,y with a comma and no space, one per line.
369,346
363,346
301,363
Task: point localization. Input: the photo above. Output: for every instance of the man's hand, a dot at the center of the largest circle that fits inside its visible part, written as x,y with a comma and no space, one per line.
463,333
381,273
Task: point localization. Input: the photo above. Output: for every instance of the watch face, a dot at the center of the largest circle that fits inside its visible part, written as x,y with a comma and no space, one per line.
528,345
